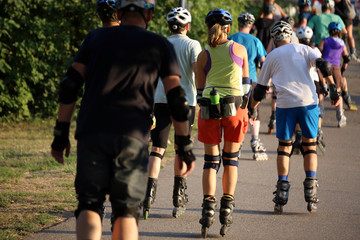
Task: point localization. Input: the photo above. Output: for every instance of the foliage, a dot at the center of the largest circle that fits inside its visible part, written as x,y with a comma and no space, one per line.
39,38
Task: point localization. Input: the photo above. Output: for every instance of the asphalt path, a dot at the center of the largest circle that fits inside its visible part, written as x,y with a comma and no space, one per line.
338,215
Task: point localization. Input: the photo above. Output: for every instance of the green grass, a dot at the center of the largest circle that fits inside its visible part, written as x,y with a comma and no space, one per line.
35,190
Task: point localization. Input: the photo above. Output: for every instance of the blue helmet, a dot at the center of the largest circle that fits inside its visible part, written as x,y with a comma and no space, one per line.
102,2
303,3
219,16
335,26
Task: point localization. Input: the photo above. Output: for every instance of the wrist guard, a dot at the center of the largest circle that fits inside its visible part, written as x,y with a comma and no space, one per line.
185,149
61,136
334,94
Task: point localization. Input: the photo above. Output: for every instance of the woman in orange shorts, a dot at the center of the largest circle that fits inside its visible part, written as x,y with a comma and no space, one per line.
223,86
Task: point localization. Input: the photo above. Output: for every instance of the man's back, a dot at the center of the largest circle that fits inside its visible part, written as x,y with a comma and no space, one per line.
288,66
123,65
187,51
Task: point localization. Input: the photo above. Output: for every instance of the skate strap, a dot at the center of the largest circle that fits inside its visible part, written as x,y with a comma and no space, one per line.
285,144
155,154
230,162
212,162
230,155
307,144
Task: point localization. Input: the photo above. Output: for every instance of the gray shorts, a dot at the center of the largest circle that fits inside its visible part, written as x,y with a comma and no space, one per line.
115,165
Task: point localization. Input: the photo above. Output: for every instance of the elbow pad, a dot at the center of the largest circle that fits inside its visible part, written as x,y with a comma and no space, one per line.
259,92
346,59
178,104
324,67
70,86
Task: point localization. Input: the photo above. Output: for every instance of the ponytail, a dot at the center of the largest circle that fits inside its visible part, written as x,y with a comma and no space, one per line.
215,34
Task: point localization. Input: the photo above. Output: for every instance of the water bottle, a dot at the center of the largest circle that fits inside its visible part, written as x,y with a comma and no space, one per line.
215,108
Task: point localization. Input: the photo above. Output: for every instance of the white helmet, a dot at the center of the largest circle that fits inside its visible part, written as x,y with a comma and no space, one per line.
246,19
329,4
179,15
304,32
280,31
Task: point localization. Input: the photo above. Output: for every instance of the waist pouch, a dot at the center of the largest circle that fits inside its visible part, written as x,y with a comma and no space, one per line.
227,107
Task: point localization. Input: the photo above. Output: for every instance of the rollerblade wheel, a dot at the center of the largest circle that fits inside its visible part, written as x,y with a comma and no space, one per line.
204,231
278,209
146,214
178,211
224,229
311,207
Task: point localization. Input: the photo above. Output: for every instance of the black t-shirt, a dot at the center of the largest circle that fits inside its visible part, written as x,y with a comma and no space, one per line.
123,66
263,26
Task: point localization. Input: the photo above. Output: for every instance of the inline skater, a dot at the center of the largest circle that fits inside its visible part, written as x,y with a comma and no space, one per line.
226,85
187,51
119,67
256,53
288,66
333,48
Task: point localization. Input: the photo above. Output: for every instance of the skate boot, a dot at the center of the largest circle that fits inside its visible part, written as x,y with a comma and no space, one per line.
341,118
208,214
354,56
226,210
179,197
297,143
347,100
310,192
150,196
259,150
281,195
271,124
320,141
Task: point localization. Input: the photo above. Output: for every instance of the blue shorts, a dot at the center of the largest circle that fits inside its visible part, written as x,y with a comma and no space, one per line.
287,118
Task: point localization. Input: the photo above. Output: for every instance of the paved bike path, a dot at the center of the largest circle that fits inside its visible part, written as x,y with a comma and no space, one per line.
338,215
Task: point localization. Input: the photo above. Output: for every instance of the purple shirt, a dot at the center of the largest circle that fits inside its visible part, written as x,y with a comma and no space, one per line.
333,48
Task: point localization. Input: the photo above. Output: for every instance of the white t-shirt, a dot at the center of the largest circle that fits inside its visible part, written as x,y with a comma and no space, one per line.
187,51
313,71
289,68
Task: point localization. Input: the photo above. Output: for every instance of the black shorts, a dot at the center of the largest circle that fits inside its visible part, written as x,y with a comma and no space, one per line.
160,134
111,164
347,21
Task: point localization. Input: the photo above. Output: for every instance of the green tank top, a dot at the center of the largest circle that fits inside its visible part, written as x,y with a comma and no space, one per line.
224,71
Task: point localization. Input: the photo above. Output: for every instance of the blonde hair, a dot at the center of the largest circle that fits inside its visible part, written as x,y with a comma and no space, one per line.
215,34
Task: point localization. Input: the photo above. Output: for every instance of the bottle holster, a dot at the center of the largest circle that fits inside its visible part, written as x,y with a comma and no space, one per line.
227,107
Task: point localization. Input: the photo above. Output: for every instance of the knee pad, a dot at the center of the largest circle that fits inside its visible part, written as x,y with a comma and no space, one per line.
97,207
303,152
155,154
228,162
282,153
212,162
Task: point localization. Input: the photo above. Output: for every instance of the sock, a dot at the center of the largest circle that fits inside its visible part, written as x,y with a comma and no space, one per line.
283,177
254,129
310,174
